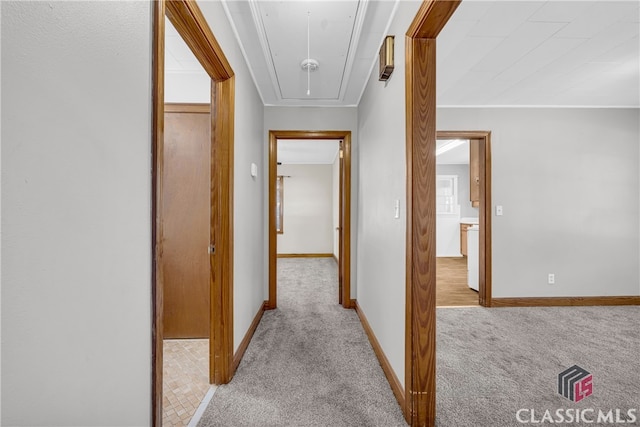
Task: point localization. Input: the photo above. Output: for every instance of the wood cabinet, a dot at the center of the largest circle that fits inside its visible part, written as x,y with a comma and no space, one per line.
463,238
474,173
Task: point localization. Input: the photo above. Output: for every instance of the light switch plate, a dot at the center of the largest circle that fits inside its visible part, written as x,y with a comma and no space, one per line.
254,170
498,210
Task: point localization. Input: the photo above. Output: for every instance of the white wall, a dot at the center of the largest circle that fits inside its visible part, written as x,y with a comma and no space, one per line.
187,87
448,225
183,86
381,261
466,210
568,180
249,275
0,235
316,118
311,118
335,190
308,210
76,223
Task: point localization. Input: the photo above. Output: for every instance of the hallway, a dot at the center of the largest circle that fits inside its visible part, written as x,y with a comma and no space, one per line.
309,362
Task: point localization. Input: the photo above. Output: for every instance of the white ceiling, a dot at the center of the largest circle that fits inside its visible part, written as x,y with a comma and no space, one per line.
178,58
344,37
491,53
305,152
458,155
541,53
185,79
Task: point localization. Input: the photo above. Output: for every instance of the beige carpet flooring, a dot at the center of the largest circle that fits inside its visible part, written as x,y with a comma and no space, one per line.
309,363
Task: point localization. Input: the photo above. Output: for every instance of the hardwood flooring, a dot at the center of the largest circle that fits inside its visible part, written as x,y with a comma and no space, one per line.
451,283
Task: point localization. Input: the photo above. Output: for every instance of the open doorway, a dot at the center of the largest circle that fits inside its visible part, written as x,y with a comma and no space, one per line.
191,26
471,226
342,231
185,210
463,216
185,263
307,198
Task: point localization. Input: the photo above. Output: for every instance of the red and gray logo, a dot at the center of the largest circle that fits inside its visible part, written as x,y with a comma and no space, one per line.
575,383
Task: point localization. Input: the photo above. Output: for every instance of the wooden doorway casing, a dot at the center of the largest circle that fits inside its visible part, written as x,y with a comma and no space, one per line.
188,20
483,139
344,258
420,321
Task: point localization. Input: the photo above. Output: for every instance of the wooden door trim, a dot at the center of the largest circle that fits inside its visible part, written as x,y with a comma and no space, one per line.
221,367
431,18
157,155
345,227
188,20
420,311
345,232
485,259
567,301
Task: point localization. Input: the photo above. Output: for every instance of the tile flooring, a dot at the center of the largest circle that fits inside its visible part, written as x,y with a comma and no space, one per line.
185,379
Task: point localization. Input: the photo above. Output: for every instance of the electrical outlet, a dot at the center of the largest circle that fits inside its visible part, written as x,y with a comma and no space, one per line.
552,278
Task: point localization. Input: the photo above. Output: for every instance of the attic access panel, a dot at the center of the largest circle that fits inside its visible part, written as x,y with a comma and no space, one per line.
332,28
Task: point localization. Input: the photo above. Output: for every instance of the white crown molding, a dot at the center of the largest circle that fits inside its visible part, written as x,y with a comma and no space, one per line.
227,12
363,5
264,44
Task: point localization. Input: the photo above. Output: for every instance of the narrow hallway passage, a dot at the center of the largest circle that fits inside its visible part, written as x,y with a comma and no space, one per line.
309,363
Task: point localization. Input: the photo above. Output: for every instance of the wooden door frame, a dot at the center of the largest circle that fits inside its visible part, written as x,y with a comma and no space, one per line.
345,214
188,20
420,321
483,138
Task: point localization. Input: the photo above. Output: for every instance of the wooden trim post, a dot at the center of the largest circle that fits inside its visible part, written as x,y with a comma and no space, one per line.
420,339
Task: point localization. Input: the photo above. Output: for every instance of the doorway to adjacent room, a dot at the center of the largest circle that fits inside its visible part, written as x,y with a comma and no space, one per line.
463,224
344,209
191,25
